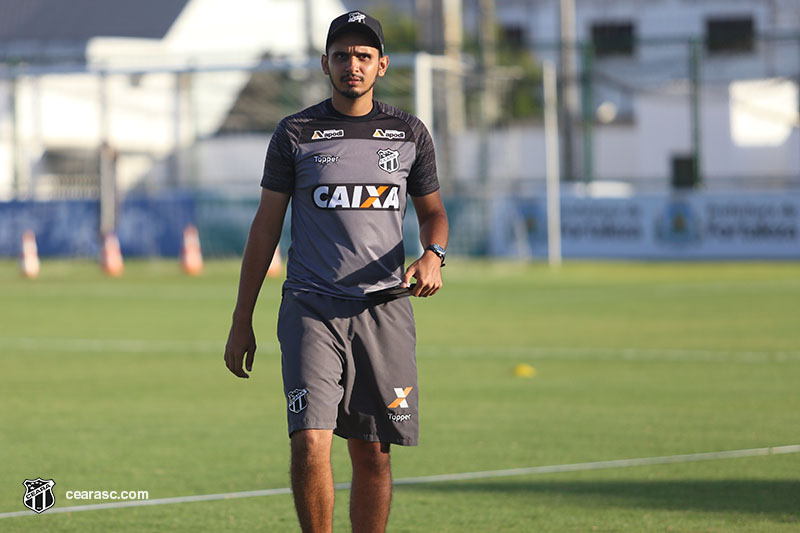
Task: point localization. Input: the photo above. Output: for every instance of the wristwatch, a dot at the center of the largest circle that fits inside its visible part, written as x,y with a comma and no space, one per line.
438,250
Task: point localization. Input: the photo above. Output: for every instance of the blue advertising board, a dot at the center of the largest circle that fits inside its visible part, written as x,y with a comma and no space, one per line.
147,226
697,225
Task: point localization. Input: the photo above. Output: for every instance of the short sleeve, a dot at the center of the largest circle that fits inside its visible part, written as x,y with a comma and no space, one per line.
423,179
279,173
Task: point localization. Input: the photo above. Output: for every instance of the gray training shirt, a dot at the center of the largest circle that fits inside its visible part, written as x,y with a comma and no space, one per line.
348,177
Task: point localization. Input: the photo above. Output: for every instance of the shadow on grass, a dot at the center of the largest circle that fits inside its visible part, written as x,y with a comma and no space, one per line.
742,496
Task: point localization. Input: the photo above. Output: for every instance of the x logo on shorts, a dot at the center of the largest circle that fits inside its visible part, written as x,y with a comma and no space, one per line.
400,401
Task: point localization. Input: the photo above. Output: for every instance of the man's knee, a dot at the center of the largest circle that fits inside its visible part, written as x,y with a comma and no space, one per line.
311,443
371,456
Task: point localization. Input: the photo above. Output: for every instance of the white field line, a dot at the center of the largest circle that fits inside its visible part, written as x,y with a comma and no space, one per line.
463,476
624,354
112,345
90,346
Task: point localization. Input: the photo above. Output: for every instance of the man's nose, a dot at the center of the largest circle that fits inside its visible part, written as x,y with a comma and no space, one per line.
352,64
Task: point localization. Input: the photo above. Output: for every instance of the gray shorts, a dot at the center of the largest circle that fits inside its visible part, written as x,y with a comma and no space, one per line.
350,366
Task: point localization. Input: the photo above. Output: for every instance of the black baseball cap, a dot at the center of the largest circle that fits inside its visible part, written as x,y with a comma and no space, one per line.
356,21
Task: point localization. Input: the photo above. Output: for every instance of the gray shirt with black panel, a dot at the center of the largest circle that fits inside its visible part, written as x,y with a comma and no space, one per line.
348,177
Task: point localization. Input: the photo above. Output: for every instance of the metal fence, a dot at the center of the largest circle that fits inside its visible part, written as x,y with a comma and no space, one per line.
636,117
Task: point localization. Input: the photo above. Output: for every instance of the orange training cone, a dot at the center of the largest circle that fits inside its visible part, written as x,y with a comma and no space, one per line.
111,256
191,254
29,260
275,267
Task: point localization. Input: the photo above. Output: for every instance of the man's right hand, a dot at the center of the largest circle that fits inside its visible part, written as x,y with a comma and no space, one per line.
265,232
241,341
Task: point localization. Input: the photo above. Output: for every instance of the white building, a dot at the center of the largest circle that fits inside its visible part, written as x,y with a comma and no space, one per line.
748,60
642,125
122,89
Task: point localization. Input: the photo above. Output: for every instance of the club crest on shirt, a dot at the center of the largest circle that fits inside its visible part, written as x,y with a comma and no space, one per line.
388,160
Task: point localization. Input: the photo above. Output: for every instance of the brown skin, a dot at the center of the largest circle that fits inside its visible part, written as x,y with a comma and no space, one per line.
265,232
353,65
312,478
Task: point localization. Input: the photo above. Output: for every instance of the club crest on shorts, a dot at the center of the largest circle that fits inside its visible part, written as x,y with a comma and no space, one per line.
388,160
39,495
298,400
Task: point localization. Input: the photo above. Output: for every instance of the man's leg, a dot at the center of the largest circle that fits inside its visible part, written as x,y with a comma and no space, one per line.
371,492
312,479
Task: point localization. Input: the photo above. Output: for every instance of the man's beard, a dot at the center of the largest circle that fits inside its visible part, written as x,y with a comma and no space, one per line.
350,92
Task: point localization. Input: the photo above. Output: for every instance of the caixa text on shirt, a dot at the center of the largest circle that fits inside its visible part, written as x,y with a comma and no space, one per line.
357,196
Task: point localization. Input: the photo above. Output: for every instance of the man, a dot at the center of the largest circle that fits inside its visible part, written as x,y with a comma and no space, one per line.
346,331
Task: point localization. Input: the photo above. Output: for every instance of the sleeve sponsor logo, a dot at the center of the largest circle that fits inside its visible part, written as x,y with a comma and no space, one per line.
357,196
327,134
325,159
388,160
388,134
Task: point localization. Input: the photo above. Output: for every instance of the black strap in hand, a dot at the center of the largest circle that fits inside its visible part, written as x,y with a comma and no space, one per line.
392,293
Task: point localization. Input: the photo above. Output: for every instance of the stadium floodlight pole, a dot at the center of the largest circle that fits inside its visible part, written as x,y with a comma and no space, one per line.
13,122
569,89
553,171
423,88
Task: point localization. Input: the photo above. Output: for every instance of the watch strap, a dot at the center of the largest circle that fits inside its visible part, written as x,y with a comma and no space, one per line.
438,250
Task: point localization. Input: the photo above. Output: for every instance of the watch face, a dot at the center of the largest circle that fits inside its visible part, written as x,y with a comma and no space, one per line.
438,250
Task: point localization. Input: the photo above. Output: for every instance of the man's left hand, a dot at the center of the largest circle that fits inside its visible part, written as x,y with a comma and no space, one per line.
427,270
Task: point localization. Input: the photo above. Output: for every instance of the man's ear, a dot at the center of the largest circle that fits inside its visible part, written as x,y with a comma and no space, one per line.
324,62
383,64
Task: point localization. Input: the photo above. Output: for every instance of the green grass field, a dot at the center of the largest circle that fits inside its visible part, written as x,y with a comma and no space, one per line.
119,384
